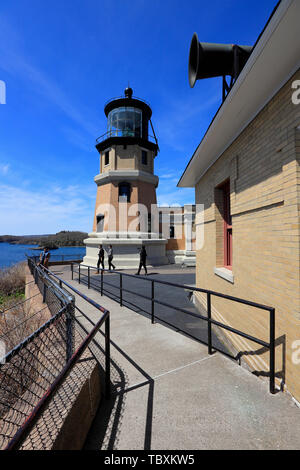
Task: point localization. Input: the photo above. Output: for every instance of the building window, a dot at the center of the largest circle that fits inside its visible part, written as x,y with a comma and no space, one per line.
124,192
144,157
125,122
227,225
149,223
224,240
106,158
100,222
172,225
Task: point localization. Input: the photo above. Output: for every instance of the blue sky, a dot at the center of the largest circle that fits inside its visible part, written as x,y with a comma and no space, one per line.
62,60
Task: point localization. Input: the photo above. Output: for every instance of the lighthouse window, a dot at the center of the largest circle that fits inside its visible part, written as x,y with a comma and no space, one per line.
144,157
124,192
106,158
172,226
125,122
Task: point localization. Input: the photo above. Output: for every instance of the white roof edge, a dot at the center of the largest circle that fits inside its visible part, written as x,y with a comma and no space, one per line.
249,95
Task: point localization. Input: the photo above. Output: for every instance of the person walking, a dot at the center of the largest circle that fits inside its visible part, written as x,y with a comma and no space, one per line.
110,258
143,257
44,257
100,258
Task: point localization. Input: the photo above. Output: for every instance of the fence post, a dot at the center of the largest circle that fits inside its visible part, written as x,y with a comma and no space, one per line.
107,357
209,338
121,290
101,281
70,329
79,273
272,350
72,271
35,275
152,302
44,293
88,277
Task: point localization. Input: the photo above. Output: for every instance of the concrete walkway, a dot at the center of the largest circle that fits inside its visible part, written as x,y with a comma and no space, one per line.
169,394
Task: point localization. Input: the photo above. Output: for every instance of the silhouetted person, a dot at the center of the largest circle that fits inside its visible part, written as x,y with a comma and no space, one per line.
143,257
100,258
110,258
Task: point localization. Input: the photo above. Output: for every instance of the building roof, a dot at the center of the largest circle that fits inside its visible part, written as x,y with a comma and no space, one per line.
274,60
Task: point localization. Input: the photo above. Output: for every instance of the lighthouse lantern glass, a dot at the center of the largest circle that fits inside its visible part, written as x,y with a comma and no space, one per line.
125,122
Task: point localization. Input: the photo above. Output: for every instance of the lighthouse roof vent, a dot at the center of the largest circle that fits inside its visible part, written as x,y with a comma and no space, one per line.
128,92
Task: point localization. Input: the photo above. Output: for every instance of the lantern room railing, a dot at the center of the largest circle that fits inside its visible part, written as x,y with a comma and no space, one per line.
124,133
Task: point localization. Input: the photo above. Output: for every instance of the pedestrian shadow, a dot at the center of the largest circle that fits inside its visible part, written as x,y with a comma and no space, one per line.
106,427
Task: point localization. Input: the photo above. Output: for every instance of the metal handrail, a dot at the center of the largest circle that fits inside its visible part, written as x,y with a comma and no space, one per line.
269,345
124,97
120,133
92,302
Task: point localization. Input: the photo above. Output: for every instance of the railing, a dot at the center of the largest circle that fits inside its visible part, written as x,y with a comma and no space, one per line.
84,274
59,258
33,372
124,133
124,97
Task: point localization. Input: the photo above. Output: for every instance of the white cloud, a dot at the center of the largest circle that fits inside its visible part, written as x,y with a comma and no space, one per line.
169,175
176,198
26,212
4,168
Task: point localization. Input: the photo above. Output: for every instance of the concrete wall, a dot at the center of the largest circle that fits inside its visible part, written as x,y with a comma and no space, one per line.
141,192
263,167
129,158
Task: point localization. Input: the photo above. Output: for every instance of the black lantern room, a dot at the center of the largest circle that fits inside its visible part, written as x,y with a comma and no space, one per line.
127,123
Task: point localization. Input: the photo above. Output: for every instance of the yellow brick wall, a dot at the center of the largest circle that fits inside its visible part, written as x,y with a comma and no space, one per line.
263,167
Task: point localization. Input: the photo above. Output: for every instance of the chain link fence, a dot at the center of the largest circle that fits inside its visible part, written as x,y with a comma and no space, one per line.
33,363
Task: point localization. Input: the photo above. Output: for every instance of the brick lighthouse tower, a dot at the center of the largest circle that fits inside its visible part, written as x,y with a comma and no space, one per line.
126,213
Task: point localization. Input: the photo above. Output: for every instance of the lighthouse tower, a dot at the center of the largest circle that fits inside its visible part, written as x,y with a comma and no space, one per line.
126,214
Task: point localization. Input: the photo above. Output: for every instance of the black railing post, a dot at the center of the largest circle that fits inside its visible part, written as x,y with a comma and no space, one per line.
88,277
70,327
72,271
101,281
152,302
35,275
44,293
107,357
272,350
209,336
121,290
79,274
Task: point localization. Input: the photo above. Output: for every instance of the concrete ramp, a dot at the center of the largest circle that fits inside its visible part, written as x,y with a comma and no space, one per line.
169,394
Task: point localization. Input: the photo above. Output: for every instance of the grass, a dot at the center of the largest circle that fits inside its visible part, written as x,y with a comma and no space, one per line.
12,283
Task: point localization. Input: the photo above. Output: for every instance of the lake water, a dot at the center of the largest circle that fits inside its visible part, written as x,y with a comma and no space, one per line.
12,254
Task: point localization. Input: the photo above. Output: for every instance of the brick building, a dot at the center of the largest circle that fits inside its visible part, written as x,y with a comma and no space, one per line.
246,173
